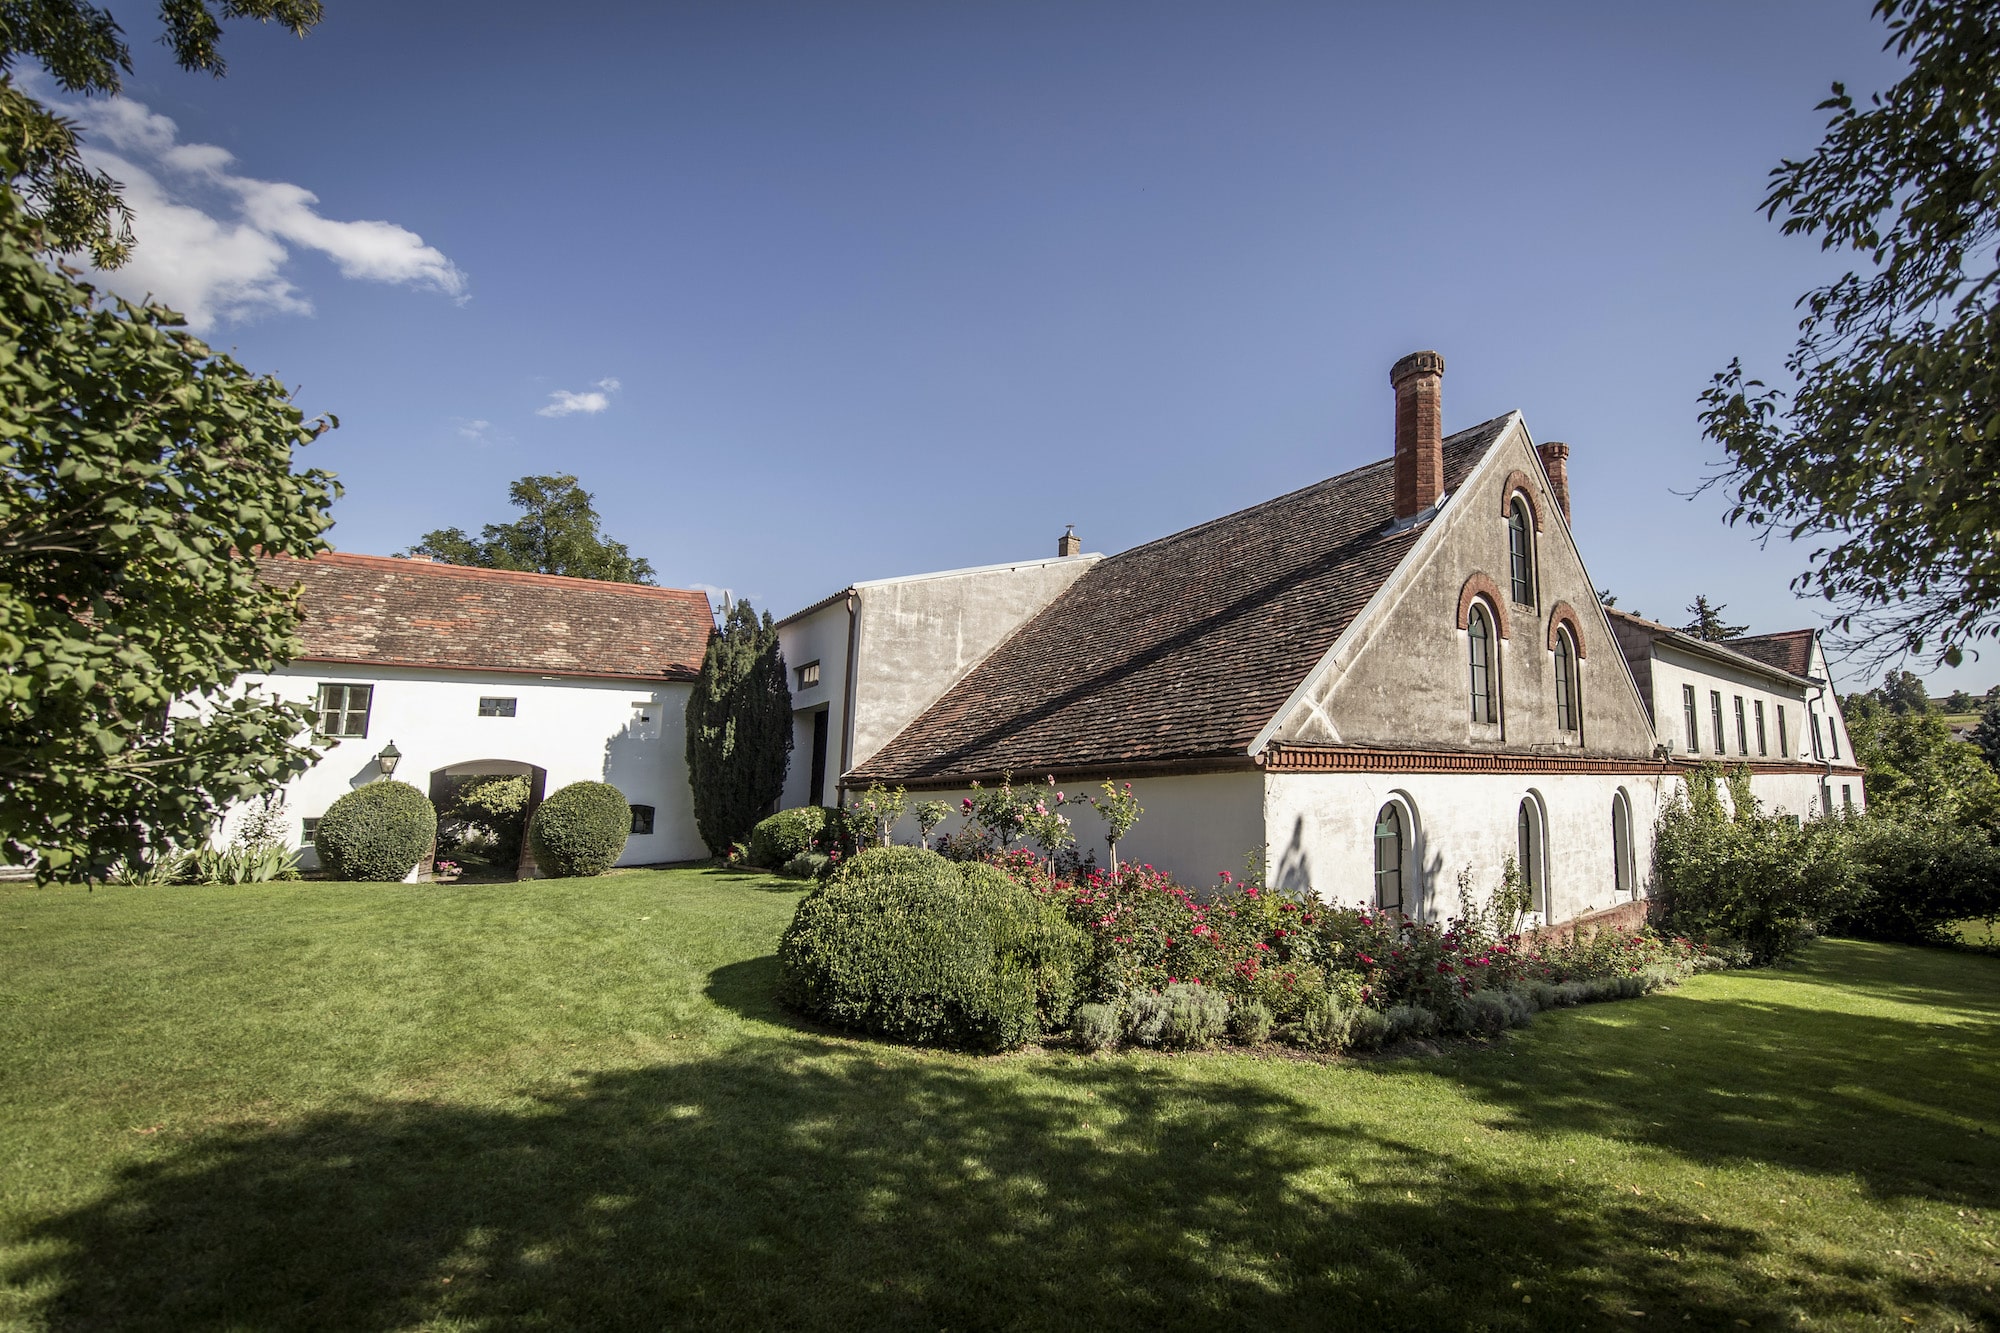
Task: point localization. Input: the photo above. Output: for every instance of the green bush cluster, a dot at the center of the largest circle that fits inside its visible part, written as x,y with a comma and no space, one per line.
781,838
581,830
483,818
376,833
905,944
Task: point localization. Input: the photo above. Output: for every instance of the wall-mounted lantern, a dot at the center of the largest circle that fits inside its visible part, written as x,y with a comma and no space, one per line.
387,760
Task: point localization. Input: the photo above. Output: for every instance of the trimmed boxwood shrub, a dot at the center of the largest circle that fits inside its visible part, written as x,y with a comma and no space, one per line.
581,830
789,833
376,833
901,943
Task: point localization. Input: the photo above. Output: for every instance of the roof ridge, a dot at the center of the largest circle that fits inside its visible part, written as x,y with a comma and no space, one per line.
410,564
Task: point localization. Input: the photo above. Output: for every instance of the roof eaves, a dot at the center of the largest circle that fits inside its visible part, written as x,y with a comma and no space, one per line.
1704,647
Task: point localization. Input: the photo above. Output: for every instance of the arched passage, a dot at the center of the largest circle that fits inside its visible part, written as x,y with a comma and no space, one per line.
447,782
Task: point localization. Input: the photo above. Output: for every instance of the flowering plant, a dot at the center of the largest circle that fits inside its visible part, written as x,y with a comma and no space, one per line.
447,867
1120,810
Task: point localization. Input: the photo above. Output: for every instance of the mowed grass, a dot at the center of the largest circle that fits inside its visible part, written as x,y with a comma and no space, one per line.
575,1105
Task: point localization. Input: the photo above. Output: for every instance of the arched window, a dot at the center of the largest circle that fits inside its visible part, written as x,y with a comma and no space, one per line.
1521,552
1623,869
1479,632
1390,845
1568,713
1528,835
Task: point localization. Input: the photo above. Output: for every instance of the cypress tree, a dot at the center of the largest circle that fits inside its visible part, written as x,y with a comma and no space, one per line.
739,729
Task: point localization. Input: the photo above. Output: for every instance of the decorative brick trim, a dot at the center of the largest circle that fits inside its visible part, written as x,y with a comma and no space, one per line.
1519,484
1562,613
1480,585
669,674
1625,919
1345,759
1116,771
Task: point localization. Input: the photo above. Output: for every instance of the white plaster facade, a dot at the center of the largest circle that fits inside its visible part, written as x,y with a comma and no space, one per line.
628,733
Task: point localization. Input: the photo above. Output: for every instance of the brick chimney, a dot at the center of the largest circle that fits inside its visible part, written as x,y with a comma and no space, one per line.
1069,543
1555,462
1419,379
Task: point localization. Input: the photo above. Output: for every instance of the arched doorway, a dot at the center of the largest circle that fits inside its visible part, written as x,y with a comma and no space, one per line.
449,782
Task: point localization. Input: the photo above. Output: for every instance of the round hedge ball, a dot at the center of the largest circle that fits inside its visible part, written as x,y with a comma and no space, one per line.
581,830
376,833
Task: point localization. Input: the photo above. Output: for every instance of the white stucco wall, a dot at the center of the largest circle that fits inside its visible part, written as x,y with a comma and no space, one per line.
820,637
1194,827
1674,670
1322,829
630,734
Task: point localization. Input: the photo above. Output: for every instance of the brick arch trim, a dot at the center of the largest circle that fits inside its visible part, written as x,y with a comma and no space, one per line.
1478,585
1519,484
1562,613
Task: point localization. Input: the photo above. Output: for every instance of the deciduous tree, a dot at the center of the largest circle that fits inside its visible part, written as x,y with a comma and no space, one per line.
559,533
1883,453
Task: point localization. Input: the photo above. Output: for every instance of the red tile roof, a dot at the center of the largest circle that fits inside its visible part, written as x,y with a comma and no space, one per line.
390,611
1179,650
1790,651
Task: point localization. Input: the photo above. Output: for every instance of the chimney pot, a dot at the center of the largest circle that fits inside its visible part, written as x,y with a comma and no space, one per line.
1069,543
1555,462
1418,379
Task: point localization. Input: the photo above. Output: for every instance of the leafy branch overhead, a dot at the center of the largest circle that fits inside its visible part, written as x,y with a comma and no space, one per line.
1886,453
140,475
84,50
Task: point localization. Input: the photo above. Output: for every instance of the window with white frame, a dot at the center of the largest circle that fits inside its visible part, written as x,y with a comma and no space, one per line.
493,707
809,674
342,711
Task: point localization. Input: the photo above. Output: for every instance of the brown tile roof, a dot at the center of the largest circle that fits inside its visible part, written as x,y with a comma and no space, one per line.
1790,651
1636,633
389,611
1178,650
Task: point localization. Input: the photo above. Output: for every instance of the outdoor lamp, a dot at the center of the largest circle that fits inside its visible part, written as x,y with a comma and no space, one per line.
387,759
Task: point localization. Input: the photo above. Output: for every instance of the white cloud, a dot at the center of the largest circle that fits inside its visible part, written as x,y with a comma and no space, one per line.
474,429
563,403
213,243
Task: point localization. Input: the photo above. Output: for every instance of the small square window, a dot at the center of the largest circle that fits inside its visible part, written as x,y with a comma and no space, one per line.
310,826
489,707
809,675
343,711
642,819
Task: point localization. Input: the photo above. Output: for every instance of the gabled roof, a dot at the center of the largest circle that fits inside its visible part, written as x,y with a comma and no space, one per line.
1788,651
1636,630
391,611
1178,650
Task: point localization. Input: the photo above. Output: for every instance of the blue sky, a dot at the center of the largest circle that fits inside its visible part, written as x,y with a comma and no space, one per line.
807,294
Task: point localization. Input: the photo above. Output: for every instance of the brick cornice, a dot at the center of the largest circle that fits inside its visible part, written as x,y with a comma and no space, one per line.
1479,585
1346,759
1519,484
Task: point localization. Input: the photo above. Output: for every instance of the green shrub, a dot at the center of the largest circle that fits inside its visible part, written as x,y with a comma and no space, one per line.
1917,877
787,834
1250,1023
1181,1017
806,865
1324,1023
485,817
1488,1013
1767,882
376,833
1372,1030
1095,1026
581,830
898,943
1411,1022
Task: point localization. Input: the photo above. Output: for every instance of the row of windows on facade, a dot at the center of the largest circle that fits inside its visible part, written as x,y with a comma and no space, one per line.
1394,825
1720,740
342,711
1485,687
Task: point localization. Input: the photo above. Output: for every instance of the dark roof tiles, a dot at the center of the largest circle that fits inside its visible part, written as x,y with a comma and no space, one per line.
1181,649
1789,651
388,611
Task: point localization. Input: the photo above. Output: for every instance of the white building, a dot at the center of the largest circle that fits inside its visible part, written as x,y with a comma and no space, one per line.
1370,684
454,671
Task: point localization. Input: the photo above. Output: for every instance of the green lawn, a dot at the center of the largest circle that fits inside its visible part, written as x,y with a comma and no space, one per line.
573,1105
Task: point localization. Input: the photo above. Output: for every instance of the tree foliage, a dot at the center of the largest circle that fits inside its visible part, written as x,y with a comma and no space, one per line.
84,51
558,533
140,473
1885,453
1708,625
1902,692
739,729
1916,771
1986,735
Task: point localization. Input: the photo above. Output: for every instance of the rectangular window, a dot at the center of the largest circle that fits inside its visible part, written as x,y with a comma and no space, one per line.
809,675
1715,707
308,828
490,707
1826,797
1833,736
1763,746
1818,753
1847,795
1742,729
1693,719
1784,737
343,710
642,819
